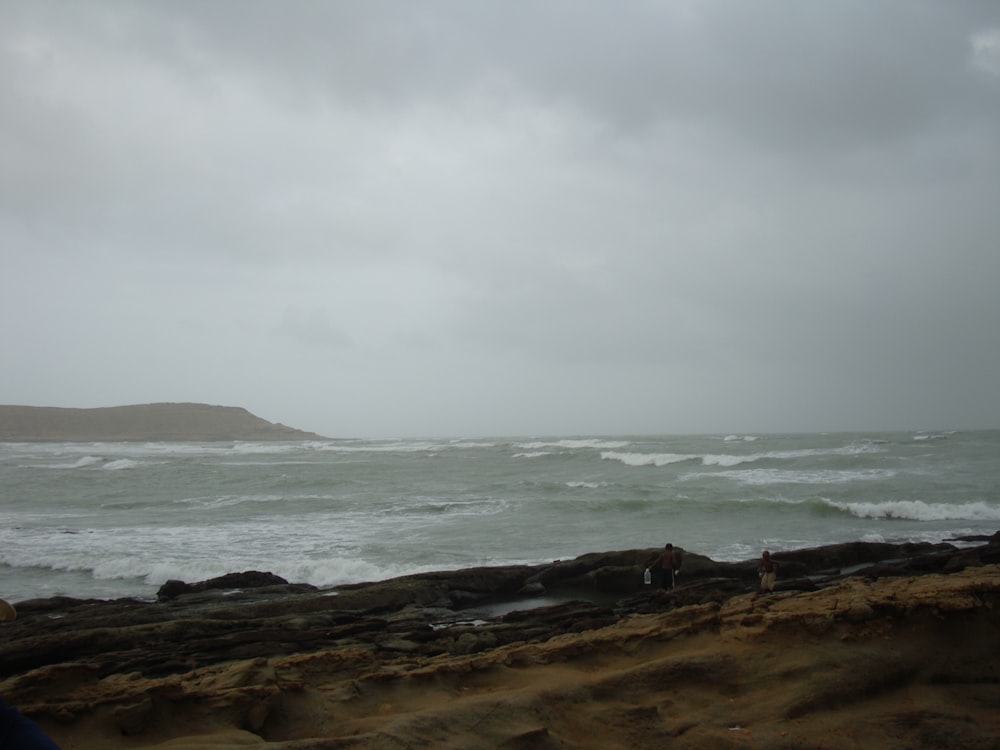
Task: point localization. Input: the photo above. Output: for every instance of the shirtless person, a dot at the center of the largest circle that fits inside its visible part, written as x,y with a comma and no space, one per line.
668,561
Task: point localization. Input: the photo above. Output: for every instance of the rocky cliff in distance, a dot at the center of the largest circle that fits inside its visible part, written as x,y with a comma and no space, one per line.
140,422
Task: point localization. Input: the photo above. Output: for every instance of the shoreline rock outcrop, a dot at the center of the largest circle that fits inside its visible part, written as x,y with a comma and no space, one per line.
140,422
861,645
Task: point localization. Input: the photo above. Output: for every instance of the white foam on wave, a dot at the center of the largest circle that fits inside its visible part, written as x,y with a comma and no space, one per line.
918,510
122,463
227,501
852,449
322,573
86,462
646,459
759,477
399,446
268,448
416,505
81,463
873,538
728,460
586,485
575,444
129,575
194,449
532,454
735,459
334,571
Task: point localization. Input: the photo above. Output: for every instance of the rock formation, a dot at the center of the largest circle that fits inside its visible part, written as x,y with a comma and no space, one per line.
175,422
862,645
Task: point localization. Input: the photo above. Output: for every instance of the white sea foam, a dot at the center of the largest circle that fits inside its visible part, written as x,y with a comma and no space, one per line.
122,463
574,444
917,510
646,459
395,446
728,460
853,449
329,512
340,570
323,573
81,463
532,454
97,462
400,446
735,459
873,538
228,501
760,477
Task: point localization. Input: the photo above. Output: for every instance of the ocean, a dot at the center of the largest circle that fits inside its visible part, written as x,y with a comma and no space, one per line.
108,520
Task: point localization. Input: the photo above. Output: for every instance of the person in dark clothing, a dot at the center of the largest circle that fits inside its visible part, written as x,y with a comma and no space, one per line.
668,561
17,732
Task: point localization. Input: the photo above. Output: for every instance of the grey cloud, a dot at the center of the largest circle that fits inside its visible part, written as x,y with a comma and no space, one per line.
712,215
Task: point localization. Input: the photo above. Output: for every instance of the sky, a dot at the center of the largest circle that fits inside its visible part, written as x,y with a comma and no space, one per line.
560,217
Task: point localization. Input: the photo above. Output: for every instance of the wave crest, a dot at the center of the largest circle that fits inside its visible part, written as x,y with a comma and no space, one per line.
918,510
646,459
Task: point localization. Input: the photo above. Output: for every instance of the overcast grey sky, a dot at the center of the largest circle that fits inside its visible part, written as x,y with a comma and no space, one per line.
454,218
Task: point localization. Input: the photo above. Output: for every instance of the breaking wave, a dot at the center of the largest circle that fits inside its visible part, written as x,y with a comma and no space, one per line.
917,510
760,477
646,459
731,459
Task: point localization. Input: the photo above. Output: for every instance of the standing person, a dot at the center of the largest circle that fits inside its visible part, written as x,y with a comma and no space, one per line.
668,561
768,572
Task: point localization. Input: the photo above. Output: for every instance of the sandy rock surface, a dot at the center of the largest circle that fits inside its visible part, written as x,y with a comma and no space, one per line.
861,660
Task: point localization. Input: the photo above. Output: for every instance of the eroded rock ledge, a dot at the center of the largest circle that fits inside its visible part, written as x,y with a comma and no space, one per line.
862,645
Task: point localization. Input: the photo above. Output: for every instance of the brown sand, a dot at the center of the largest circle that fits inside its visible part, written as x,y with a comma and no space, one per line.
890,663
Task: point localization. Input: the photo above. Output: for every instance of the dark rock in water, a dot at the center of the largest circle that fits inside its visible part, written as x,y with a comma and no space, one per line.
836,556
247,580
995,537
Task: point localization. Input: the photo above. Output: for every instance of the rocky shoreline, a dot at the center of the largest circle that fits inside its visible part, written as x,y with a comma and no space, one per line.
571,654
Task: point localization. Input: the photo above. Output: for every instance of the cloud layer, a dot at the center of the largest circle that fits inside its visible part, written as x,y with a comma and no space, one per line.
454,218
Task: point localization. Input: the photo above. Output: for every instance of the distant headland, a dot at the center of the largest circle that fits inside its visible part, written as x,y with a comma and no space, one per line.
140,422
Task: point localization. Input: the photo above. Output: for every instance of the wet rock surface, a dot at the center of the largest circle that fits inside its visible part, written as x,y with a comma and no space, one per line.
259,614
127,664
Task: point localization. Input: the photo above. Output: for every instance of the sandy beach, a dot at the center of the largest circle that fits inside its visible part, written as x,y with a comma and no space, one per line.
881,660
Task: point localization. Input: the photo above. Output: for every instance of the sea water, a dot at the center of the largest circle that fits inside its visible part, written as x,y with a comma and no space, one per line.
119,519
